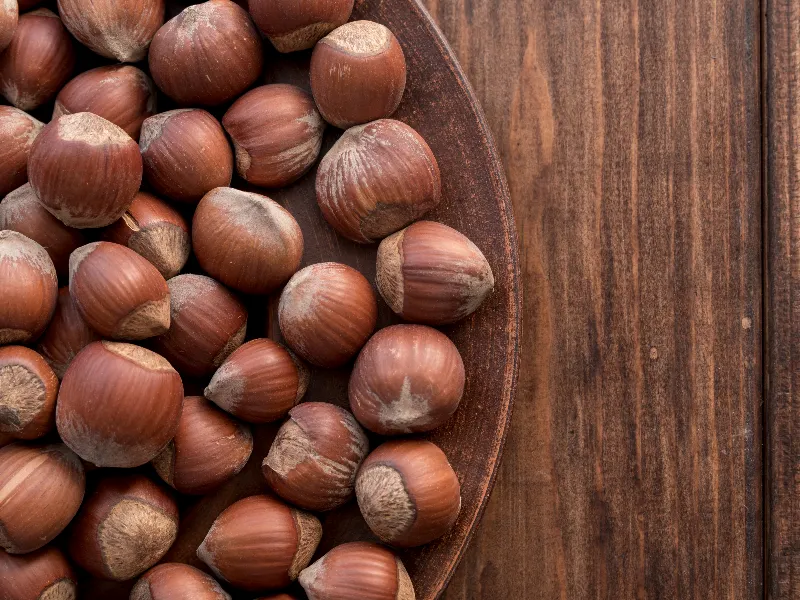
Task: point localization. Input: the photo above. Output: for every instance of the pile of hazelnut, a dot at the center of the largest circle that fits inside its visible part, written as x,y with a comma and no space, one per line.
91,373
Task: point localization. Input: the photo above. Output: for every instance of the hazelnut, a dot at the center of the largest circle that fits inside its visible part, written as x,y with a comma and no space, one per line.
377,179
357,570
118,405
209,448
85,170
30,286
121,94
66,335
17,131
207,323
193,59
260,543
185,154
41,575
358,74
246,241
313,461
114,29
42,489
176,581
28,390
118,292
9,18
277,133
38,61
125,526
407,379
293,25
326,313
153,229
259,382
431,273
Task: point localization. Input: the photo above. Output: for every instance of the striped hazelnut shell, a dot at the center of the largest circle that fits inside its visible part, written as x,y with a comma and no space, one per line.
18,130
42,575
176,581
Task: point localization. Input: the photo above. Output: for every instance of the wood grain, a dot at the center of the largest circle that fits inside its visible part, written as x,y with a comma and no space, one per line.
630,132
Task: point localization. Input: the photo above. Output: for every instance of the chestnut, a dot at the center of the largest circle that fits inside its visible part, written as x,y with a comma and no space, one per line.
259,382
38,61
125,526
41,575
327,312
153,229
9,18
193,59
176,581
42,488
260,543
313,461
28,390
247,241
358,74
17,131
30,286
357,570
66,335
376,179
207,323
185,154
119,293
208,449
122,94
293,25
85,170
118,405
277,133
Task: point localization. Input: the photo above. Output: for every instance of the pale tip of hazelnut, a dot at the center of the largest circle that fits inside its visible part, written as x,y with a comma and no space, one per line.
14,247
291,447
24,396
301,39
205,555
360,38
164,464
308,577
60,590
243,159
309,534
232,344
226,387
147,359
148,320
153,127
91,129
389,276
165,245
78,256
141,591
405,588
303,375
384,502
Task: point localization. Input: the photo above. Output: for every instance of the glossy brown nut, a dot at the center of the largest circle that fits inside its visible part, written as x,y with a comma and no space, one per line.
66,335
42,488
122,94
41,575
193,59
208,449
118,405
326,313
185,154
377,179
38,61
358,74
408,493
358,570
17,131
125,526
28,390
260,543
293,25
30,286
176,581
207,323
9,18
85,170
277,133
247,241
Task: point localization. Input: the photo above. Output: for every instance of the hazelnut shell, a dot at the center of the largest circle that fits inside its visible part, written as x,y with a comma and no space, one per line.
42,575
28,390
176,581
17,131
66,335
293,25
9,18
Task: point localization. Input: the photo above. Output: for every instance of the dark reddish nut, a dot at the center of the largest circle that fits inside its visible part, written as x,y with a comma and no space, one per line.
41,575
28,390
293,25
66,335
176,581
17,131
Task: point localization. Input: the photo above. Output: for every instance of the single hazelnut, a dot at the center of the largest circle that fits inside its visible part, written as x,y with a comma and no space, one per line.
176,581
185,154
121,94
85,170
313,461
207,323
377,179
125,526
247,241
118,405
38,61
9,18
208,449
153,229
293,25
260,543
327,312
430,273
277,133
42,488
119,293
66,335
358,74
358,570
17,131
30,286
407,379
193,58
28,390
41,575
259,382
